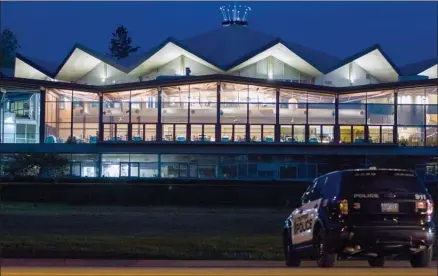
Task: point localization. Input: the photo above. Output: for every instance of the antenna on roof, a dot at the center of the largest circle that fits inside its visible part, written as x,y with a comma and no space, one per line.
235,15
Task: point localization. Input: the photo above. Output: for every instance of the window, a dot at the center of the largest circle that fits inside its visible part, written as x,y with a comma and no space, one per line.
383,181
306,196
331,187
317,189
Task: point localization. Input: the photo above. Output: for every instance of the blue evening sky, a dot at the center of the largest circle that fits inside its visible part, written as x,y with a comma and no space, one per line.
407,31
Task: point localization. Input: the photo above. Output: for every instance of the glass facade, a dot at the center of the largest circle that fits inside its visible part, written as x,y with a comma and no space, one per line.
219,113
227,166
20,116
223,112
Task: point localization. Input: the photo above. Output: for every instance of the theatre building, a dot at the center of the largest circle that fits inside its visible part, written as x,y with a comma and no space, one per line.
231,103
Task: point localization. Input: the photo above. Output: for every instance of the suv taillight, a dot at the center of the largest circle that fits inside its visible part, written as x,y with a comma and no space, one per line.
430,205
343,207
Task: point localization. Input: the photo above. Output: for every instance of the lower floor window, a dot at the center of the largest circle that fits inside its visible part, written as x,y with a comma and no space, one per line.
233,133
262,133
176,132
203,133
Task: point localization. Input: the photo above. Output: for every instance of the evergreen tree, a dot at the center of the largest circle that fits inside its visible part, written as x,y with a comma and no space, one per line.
120,44
8,46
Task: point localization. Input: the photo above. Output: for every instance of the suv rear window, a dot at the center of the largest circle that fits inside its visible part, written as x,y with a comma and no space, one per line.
382,181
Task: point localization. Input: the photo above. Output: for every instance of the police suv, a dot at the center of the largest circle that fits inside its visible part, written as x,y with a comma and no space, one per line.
371,213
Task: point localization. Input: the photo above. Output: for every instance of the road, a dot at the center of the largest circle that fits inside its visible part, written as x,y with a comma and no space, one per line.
207,268
216,272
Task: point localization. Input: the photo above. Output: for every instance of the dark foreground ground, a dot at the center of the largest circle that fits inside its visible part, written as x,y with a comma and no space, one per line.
60,231
48,231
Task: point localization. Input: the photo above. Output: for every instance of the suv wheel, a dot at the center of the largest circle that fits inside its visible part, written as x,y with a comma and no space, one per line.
378,261
423,258
291,259
324,258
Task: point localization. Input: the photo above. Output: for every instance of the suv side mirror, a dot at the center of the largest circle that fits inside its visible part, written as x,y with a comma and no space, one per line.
305,198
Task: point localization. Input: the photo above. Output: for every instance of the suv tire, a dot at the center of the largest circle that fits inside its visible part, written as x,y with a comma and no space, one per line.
291,259
324,258
423,258
378,261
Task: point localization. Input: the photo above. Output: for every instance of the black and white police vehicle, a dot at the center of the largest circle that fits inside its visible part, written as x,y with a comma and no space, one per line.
371,213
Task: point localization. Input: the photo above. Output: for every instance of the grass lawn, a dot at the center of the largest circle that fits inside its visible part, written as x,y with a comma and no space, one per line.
63,231
187,248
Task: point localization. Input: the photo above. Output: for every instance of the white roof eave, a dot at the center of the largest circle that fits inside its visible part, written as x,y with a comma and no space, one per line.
26,71
166,54
77,65
378,66
284,54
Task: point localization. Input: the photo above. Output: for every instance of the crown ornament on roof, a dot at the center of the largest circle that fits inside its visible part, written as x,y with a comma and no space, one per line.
235,15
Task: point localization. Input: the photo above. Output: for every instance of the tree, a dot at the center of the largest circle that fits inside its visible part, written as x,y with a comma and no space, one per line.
36,164
8,46
120,44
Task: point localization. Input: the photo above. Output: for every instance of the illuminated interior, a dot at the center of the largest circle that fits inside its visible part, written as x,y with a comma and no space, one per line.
236,112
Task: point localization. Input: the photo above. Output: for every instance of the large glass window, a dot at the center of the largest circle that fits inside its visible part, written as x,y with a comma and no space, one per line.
262,105
174,132
380,134
320,134
352,134
203,103
21,117
411,106
143,165
203,133
85,116
293,108
144,132
85,165
411,136
432,136
116,107
234,103
115,132
321,108
175,104
233,133
292,133
144,106
115,165
262,133
188,166
352,108
411,114
431,106
380,107
58,128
